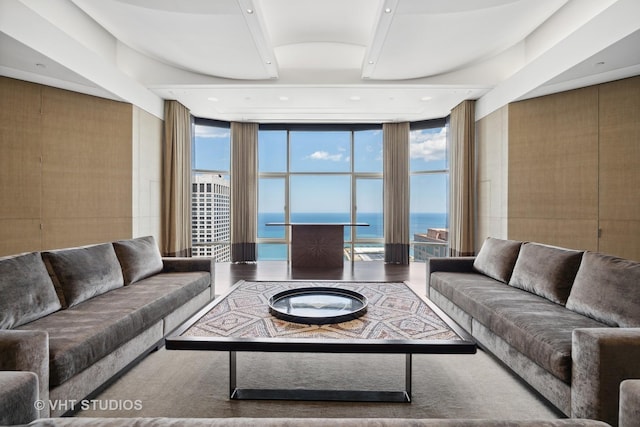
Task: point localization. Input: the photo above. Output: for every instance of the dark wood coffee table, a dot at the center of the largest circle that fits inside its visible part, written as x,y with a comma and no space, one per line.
398,320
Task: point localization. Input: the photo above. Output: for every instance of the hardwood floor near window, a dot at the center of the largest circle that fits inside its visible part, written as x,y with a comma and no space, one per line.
227,274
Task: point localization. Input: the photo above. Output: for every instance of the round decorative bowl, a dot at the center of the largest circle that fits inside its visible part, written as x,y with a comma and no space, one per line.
318,305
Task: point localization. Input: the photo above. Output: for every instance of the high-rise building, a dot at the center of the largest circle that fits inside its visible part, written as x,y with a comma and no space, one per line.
432,244
211,216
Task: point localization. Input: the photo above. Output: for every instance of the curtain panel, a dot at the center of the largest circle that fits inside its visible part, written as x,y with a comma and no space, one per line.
462,179
176,180
396,192
244,191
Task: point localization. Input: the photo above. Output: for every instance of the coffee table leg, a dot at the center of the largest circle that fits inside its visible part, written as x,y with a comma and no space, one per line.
322,395
408,373
232,374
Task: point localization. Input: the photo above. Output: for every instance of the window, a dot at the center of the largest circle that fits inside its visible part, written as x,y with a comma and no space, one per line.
429,184
211,190
320,174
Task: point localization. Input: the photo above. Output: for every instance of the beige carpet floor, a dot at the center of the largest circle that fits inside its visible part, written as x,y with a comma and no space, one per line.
178,383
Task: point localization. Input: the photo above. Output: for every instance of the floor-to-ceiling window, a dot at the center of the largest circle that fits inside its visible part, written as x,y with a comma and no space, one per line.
329,173
210,190
320,174
429,187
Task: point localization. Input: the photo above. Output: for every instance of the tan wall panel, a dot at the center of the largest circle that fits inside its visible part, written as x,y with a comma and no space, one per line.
20,149
19,235
553,168
87,156
568,233
553,156
620,168
81,191
620,150
620,238
68,232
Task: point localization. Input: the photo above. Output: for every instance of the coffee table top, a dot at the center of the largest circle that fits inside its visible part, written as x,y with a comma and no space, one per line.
398,320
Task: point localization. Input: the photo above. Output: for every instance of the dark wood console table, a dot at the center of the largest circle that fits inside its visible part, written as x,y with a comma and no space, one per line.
317,245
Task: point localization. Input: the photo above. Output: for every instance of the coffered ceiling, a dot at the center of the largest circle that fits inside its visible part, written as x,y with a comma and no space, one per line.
319,60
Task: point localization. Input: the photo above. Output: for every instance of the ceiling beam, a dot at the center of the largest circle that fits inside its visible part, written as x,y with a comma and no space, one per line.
30,28
606,28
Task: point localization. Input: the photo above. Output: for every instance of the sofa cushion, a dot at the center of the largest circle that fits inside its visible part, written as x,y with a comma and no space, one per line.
534,326
84,334
546,271
81,335
160,294
138,257
27,291
497,258
84,272
607,288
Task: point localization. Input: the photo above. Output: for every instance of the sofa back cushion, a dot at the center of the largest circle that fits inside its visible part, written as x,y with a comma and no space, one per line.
84,272
139,258
546,271
607,288
26,290
497,258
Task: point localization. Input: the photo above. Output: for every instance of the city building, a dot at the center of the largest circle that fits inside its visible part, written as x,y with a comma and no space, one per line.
433,243
211,216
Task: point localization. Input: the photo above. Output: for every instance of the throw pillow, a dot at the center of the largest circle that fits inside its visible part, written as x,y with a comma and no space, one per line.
139,258
84,272
546,271
607,288
27,291
497,258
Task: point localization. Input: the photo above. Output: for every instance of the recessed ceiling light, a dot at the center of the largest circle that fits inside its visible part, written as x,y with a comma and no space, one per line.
354,98
284,98
268,62
426,98
249,11
213,99
387,10
371,62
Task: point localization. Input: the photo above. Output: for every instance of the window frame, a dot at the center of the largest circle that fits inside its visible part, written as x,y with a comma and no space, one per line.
353,240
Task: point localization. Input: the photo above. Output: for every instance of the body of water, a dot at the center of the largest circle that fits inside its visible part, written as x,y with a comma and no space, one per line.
419,223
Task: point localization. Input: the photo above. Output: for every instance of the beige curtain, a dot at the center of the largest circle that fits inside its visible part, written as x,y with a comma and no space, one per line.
462,179
244,191
396,192
176,181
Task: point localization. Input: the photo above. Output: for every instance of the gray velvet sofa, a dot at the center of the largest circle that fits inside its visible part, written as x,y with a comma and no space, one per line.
567,322
76,317
629,415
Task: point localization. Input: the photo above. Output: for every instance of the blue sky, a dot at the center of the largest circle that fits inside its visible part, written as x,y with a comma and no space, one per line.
320,152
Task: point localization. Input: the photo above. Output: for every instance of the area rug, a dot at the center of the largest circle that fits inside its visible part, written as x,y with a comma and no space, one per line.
180,383
394,312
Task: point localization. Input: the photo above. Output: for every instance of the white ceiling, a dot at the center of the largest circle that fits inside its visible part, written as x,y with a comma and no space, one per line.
319,60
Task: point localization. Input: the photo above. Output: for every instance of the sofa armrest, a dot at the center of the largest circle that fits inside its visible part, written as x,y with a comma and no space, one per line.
449,265
601,359
18,396
27,351
186,264
629,403
183,264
